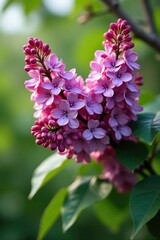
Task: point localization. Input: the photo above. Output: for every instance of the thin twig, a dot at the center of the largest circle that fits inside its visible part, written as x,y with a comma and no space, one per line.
151,38
149,14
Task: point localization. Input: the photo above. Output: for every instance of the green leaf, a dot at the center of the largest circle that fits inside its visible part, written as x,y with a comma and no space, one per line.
50,167
110,214
144,202
51,213
84,192
147,126
132,154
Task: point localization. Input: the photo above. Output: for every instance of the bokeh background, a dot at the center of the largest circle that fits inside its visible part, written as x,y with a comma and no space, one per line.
55,22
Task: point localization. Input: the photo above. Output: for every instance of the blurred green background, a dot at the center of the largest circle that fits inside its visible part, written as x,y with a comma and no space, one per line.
19,156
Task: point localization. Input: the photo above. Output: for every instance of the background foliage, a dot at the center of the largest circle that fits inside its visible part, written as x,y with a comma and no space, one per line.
19,156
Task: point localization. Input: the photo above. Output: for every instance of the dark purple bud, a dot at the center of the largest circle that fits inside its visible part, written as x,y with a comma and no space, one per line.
48,52
45,47
46,144
42,70
27,68
119,37
61,146
33,51
35,128
113,26
27,51
38,141
33,61
130,45
128,38
44,129
123,25
74,136
52,122
31,41
59,137
114,46
54,137
68,141
127,29
53,146
44,134
70,155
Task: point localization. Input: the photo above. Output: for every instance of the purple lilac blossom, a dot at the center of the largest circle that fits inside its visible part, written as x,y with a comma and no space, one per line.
80,118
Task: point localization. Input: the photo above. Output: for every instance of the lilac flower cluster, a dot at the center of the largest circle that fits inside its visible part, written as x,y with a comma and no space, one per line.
76,118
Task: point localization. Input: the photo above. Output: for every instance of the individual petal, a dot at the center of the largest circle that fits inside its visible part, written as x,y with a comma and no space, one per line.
79,104
67,75
93,124
112,122
72,114
63,120
109,92
99,133
47,85
126,77
73,123
125,131
96,66
50,100
57,113
64,105
97,108
87,134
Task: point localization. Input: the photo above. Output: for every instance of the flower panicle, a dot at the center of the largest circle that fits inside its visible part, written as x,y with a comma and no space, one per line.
78,118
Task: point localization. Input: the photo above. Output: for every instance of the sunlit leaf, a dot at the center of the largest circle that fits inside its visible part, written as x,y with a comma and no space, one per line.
132,154
84,192
47,170
51,213
147,126
145,202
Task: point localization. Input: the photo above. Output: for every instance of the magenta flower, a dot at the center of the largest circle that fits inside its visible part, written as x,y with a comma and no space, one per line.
74,102
93,104
119,77
55,86
122,131
118,118
93,130
43,96
72,86
112,63
54,64
105,86
98,144
33,83
98,70
65,115
130,58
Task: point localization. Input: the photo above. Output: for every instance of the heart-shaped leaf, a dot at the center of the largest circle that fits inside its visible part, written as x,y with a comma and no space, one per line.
84,192
132,154
47,170
144,202
147,126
